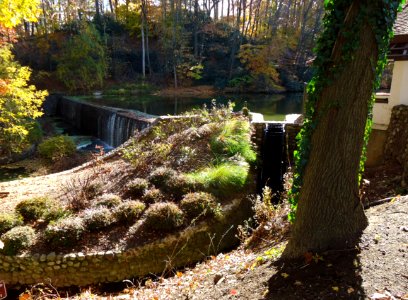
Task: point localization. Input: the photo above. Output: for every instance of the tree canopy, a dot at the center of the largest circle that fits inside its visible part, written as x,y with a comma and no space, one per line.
20,103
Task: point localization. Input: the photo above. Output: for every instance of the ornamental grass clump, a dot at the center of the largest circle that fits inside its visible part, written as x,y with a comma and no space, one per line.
234,139
8,221
165,216
108,200
98,218
161,176
153,196
137,187
198,205
18,239
223,180
129,212
177,186
65,232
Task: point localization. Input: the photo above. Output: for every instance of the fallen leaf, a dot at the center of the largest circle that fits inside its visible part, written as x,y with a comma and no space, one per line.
308,257
297,282
285,275
25,296
335,288
233,292
350,290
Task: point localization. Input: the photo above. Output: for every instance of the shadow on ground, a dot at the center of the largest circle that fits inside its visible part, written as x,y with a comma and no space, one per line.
336,275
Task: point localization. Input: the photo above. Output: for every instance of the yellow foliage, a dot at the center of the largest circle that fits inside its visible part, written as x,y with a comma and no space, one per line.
20,103
257,59
13,12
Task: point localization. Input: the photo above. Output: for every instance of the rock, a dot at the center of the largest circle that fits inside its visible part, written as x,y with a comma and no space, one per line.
218,278
51,256
385,296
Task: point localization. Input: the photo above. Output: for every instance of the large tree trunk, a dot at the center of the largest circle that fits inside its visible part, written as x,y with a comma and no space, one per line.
329,213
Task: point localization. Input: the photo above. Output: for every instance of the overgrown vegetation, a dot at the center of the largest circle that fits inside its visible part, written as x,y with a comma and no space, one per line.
180,172
82,64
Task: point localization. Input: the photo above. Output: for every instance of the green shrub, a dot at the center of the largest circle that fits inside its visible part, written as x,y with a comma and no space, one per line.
161,176
170,182
57,147
241,81
98,218
82,63
234,139
224,179
33,209
108,200
178,185
164,216
199,205
17,239
64,232
137,187
41,208
55,212
153,196
8,221
128,212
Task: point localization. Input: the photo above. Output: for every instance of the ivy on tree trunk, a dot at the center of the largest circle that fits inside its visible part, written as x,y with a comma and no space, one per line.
351,54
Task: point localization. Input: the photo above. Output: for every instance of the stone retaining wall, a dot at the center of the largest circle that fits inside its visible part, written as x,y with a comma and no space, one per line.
175,250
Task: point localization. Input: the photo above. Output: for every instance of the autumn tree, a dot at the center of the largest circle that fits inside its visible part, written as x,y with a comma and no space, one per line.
351,54
258,60
20,103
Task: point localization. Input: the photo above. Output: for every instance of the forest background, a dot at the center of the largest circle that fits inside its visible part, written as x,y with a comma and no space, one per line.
261,46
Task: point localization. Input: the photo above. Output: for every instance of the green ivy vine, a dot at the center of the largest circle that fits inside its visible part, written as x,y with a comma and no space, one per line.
382,23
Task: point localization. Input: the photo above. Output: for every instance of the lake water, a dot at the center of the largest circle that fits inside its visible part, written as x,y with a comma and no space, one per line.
273,107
